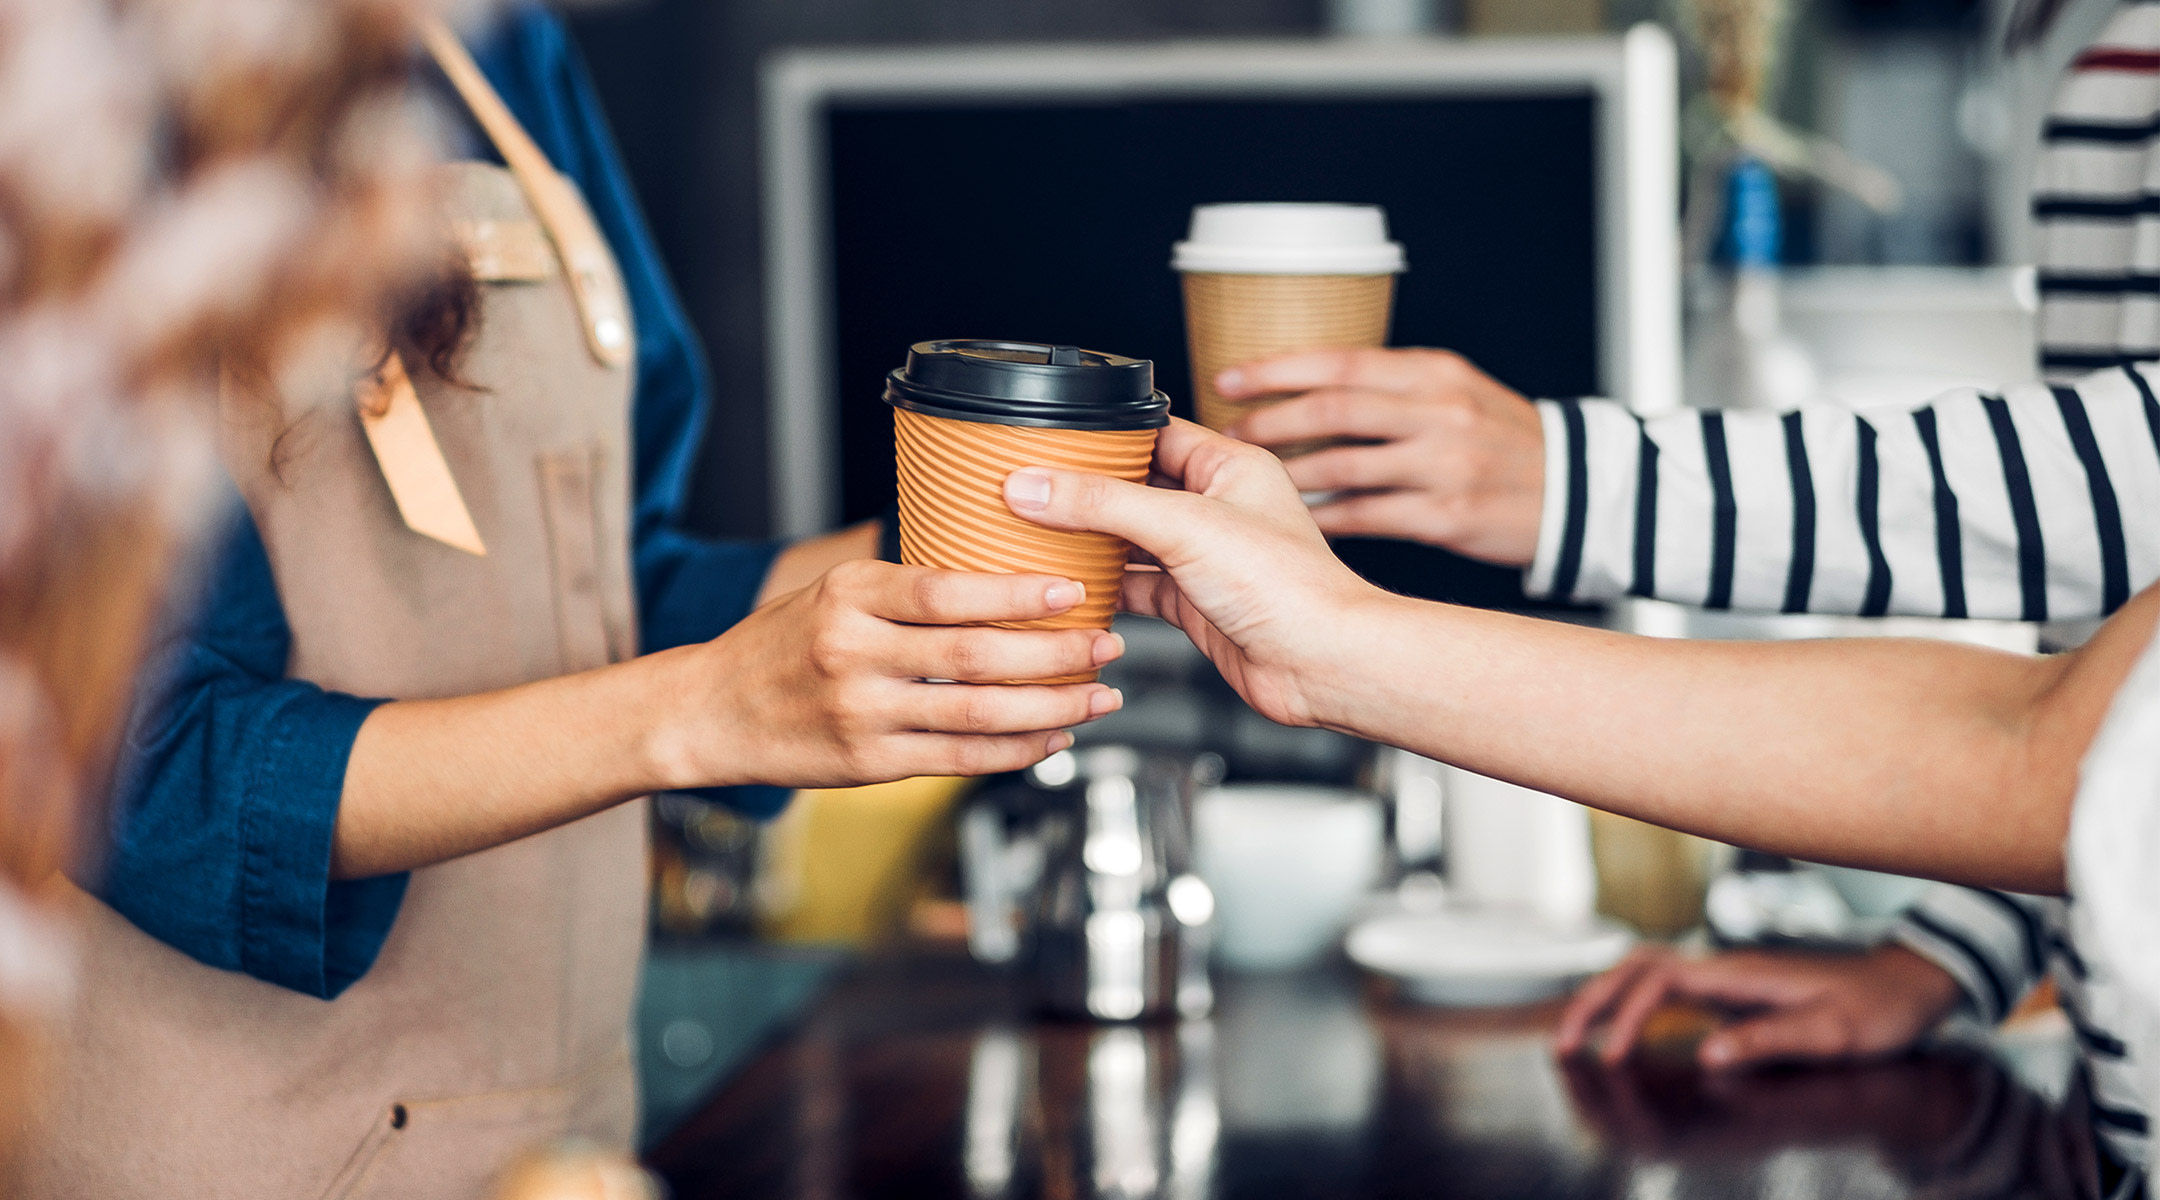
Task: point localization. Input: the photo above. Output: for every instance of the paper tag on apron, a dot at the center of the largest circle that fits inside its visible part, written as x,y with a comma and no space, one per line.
412,460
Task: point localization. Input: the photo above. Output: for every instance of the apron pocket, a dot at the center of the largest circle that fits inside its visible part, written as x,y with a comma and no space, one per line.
451,1149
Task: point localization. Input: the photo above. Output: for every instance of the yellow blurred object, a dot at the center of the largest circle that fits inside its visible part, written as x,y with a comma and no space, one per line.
1534,16
1648,876
577,1173
841,866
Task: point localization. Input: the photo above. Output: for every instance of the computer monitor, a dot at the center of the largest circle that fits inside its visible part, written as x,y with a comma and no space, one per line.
1033,193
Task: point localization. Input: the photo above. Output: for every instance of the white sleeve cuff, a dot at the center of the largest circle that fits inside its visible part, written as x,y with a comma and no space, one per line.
1552,518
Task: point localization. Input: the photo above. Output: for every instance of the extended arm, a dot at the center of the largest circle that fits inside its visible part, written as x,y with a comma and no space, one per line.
1912,756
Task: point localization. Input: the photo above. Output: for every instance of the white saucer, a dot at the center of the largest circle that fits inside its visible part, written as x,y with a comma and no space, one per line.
1471,958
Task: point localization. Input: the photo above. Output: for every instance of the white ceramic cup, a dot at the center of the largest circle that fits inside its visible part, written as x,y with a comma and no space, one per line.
1290,865
1511,847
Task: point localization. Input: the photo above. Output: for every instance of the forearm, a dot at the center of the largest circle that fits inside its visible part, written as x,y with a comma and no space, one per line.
1921,757
431,780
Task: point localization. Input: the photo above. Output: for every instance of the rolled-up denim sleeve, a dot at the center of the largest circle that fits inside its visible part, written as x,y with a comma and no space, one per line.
693,590
228,796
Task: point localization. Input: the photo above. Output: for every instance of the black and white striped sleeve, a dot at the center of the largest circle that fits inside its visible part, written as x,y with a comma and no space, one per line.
2041,502
1995,944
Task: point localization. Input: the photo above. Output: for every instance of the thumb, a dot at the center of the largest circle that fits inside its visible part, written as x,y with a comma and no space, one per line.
1160,521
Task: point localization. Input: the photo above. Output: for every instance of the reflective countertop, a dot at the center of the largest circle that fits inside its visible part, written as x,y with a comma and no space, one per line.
921,1074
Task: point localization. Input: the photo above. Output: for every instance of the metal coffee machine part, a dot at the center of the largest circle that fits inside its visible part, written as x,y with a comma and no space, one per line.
1079,874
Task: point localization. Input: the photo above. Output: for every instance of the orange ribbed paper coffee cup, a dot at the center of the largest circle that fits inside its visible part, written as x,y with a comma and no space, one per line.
1235,319
953,462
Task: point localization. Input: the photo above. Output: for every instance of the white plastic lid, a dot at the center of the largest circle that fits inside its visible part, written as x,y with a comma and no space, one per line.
1288,239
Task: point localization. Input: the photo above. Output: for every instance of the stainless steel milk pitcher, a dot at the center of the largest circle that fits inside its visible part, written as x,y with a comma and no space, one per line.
1079,873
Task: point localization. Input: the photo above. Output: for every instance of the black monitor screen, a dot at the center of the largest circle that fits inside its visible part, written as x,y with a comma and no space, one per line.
1053,222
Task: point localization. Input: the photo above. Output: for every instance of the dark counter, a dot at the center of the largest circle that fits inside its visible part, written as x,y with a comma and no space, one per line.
926,1076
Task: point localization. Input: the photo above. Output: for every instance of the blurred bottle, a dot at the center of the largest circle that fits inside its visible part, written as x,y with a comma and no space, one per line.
1649,877
1740,355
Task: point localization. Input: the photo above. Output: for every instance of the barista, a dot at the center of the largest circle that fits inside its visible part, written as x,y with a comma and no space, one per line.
356,946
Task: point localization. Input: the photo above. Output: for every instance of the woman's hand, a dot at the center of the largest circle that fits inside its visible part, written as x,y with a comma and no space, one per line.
1242,571
825,686
1454,458
1797,1007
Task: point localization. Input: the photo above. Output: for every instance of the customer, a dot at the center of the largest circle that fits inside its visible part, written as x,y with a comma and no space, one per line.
373,920
2041,502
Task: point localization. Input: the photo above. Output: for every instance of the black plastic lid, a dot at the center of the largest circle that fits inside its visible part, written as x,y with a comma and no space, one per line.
1028,383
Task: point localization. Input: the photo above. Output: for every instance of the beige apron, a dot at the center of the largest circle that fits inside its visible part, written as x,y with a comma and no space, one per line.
497,1016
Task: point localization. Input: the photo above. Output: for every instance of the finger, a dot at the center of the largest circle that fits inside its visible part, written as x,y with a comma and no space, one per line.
1332,412
1595,997
977,655
1359,367
1206,469
996,709
1814,1034
927,596
914,754
1635,1010
1150,594
1357,468
1180,449
1160,520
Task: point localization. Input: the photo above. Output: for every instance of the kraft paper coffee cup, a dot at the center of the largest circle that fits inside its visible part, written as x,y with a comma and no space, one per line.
966,414
1268,279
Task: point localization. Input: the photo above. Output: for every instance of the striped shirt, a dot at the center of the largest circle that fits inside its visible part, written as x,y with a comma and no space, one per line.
1999,946
2114,839
2037,502
2034,502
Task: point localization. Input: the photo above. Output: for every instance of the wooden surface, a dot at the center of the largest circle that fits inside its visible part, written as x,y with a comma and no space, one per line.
924,1076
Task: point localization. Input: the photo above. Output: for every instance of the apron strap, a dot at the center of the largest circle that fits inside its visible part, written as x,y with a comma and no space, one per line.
591,266
397,427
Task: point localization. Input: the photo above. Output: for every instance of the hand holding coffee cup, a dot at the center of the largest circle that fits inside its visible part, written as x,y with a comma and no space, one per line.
1263,280
1244,572
967,414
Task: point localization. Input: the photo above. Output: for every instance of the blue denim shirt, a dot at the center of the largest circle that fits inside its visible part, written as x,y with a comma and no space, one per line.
229,786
